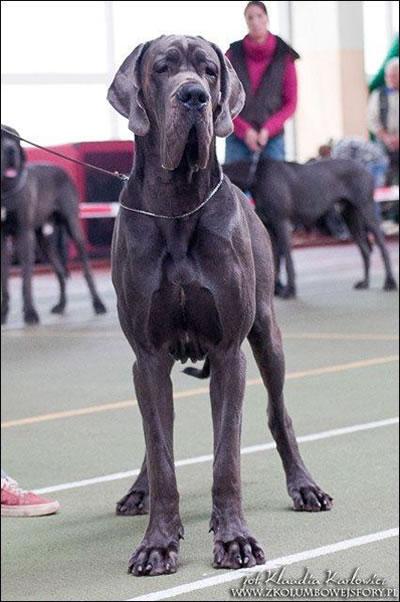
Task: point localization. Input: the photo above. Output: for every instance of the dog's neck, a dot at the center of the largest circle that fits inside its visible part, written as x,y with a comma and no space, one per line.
157,190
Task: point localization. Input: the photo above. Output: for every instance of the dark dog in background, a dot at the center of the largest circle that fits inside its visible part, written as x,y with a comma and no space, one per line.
34,199
192,267
286,193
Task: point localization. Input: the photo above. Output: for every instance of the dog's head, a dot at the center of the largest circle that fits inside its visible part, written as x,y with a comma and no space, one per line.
182,91
12,154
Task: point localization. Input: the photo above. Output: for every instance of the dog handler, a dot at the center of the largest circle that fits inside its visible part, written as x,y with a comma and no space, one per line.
265,66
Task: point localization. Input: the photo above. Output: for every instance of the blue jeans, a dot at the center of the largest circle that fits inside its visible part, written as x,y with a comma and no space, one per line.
236,149
378,171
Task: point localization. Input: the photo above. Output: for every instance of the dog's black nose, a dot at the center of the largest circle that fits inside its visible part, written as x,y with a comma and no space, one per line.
193,96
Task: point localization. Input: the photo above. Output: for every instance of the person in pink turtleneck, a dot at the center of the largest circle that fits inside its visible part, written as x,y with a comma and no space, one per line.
265,66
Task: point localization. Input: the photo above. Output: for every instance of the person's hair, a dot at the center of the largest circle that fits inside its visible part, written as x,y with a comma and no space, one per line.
256,3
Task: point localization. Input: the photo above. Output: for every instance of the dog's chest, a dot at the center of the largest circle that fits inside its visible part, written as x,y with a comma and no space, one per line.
183,310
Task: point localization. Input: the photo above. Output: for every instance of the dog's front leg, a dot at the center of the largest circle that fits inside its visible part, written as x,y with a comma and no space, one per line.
158,552
26,255
234,546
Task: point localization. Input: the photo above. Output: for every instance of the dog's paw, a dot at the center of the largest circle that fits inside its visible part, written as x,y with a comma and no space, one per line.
99,307
287,292
361,285
133,503
31,317
278,288
241,552
58,309
390,284
308,497
149,561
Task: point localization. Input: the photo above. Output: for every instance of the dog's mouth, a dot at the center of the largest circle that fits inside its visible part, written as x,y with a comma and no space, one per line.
188,146
191,151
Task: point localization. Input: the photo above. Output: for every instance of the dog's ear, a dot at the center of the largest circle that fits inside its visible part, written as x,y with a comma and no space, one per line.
124,94
232,96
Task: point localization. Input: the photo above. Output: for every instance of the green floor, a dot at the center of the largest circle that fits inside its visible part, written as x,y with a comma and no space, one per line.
80,361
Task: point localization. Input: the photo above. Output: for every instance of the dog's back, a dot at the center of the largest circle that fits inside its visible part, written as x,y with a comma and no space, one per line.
53,192
303,192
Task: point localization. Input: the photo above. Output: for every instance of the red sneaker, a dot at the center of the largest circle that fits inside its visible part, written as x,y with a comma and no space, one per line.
17,502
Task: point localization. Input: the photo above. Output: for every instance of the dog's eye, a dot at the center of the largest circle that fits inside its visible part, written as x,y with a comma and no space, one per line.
211,72
163,68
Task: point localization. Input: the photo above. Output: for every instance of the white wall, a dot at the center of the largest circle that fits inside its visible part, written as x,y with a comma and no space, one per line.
58,57
57,67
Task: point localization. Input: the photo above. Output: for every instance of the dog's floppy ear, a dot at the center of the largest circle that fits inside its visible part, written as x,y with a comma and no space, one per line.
124,94
232,97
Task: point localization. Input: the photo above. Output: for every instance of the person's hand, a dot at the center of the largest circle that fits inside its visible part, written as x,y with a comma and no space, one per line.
263,137
251,140
392,142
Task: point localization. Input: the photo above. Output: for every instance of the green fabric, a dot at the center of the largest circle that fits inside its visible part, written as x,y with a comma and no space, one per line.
378,79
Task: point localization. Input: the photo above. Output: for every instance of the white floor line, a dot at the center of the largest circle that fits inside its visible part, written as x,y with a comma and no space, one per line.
225,577
209,457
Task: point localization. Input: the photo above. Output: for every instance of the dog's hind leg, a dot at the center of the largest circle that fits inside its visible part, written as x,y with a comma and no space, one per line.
47,244
277,262
5,263
358,230
284,248
75,232
373,226
266,344
136,500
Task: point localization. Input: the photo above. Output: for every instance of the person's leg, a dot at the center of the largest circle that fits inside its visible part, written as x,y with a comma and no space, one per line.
378,170
236,150
275,148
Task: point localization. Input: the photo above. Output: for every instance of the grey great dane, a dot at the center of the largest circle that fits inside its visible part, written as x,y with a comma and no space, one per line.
34,199
288,193
194,287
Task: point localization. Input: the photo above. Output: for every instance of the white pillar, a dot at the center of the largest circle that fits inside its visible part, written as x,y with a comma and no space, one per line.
332,88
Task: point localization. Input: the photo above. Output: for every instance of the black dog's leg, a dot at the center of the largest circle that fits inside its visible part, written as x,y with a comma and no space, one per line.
136,501
266,343
75,232
284,243
374,226
26,254
47,244
234,546
158,552
357,228
5,262
277,262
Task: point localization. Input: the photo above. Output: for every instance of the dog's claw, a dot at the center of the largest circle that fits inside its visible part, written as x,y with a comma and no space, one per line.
240,552
150,561
310,498
133,503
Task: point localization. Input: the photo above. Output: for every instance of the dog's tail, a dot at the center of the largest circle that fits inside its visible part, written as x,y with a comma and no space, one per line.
204,372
